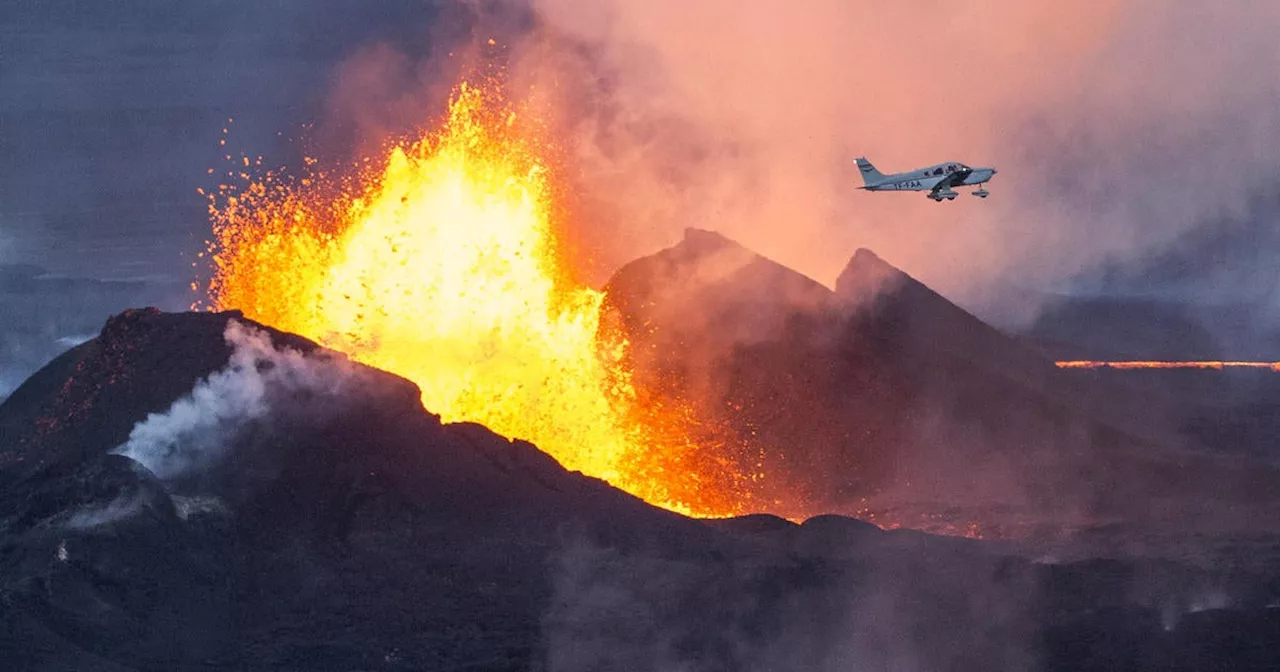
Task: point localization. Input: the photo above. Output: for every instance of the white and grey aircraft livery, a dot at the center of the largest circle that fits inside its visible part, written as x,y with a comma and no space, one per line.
939,179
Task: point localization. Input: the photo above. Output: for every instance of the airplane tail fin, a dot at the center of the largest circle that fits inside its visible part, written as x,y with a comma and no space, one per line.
869,173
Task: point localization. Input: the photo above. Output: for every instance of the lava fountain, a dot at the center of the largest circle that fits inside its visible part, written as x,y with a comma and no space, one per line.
441,263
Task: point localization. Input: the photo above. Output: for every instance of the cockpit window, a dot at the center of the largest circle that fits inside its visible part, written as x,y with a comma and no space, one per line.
951,169
937,172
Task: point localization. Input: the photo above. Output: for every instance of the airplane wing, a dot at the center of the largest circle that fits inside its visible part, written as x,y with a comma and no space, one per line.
947,182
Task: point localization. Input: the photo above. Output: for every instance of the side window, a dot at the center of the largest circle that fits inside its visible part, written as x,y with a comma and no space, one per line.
937,172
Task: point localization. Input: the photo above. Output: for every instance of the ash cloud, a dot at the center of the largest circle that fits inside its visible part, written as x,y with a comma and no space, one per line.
198,430
1117,127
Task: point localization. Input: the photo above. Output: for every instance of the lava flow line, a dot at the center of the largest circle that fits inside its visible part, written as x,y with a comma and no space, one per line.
1141,364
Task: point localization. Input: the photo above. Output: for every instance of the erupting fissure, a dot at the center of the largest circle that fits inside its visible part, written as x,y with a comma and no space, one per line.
1140,364
442,265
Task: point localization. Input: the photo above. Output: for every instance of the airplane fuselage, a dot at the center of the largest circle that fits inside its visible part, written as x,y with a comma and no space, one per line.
939,179
917,181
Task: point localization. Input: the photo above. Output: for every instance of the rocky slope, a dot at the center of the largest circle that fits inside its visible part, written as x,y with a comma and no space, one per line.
194,492
883,394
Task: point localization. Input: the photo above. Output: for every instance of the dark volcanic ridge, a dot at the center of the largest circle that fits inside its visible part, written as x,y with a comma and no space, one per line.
884,399
322,485
198,491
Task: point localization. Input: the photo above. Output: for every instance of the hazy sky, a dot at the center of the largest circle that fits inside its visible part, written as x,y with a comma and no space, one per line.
1120,128
112,111
1136,137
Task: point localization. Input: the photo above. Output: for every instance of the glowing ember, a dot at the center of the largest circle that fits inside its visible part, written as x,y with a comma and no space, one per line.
1087,364
442,266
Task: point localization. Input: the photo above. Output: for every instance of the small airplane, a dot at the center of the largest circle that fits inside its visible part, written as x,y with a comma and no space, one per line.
939,179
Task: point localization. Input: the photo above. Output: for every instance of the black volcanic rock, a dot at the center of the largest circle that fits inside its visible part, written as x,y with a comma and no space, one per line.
686,302
93,394
347,528
884,397
749,342
924,320
313,508
83,405
838,382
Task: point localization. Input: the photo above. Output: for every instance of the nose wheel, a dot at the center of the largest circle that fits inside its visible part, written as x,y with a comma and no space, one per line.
982,193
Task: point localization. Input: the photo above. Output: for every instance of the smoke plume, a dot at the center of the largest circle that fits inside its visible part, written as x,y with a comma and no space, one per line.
1116,126
259,380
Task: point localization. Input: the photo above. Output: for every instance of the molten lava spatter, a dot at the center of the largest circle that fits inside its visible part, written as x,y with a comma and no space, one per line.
442,266
1140,364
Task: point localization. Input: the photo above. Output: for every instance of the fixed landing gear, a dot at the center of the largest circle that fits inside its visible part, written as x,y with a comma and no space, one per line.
949,195
982,193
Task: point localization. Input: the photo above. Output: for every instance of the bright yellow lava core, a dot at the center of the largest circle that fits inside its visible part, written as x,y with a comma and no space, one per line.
441,265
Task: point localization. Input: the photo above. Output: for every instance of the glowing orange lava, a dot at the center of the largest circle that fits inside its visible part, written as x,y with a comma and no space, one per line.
441,265
1139,364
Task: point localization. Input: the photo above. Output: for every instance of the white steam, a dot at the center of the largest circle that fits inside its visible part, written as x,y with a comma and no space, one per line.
196,431
124,506
73,340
